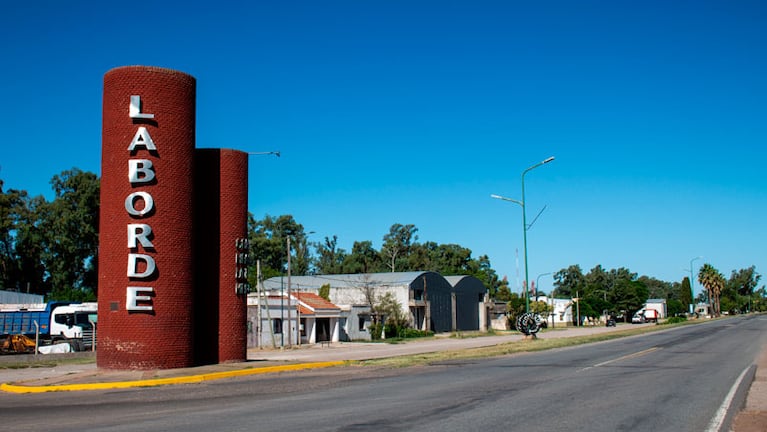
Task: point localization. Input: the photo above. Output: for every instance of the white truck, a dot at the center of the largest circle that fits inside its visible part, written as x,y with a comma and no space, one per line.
50,323
645,315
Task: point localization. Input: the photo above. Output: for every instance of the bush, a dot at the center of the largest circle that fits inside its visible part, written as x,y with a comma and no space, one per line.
393,331
408,333
676,320
375,331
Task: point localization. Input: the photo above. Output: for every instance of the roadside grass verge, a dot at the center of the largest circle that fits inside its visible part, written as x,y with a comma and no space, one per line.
42,361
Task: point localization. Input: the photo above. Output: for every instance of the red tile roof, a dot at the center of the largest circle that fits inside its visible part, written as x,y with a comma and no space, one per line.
314,301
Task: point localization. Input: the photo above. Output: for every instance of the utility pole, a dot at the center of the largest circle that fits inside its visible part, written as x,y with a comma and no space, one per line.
298,314
290,329
427,312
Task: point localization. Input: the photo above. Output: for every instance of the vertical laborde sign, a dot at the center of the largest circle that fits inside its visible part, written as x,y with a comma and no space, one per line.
146,259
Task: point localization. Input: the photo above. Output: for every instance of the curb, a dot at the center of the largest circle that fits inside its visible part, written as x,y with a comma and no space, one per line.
190,379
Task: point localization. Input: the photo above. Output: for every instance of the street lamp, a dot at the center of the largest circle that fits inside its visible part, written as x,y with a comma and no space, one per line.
524,222
692,278
537,285
276,153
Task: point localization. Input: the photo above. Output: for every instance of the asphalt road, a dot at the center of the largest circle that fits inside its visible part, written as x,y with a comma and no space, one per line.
672,380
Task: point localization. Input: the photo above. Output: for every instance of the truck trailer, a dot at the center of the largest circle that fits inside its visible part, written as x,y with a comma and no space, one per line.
51,323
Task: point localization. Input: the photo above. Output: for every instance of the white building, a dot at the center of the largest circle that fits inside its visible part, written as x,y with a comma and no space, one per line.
273,319
430,301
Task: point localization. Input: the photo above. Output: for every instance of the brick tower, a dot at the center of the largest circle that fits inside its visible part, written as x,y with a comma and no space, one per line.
158,232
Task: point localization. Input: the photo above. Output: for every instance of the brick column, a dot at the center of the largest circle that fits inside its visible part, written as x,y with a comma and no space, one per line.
148,141
221,186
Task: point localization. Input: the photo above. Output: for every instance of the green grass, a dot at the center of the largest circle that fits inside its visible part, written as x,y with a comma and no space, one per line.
43,362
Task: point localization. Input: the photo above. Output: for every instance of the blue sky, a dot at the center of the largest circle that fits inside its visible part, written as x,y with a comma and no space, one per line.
416,111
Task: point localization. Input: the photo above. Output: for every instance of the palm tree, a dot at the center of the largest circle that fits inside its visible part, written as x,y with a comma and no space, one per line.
713,281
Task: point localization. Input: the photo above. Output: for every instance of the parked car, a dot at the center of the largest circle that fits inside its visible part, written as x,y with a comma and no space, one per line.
610,322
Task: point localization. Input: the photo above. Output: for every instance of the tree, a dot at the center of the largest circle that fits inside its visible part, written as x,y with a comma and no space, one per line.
70,227
630,295
268,244
397,244
330,258
569,281
363,259
388,306
367,288
503,293
540,307
22,239
657,288
324,291
486,274
713,281
738,293
685,293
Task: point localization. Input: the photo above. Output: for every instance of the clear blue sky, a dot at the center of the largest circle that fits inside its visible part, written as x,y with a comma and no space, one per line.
416,111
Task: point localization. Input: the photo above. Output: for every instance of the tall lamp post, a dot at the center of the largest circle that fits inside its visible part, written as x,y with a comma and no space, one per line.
524,222
537,284
692,278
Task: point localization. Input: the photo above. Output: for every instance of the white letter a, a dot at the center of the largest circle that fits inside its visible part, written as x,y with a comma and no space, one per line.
142,138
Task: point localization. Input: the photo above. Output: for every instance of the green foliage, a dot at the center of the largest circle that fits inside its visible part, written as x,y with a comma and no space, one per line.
401,251
324,292
269,244
675,307
71,226
685,293
503,293
375,331
410,333
713,282
569,281
397,245
540,307
394,332
51,248
330,257
675,320
363,259
389,307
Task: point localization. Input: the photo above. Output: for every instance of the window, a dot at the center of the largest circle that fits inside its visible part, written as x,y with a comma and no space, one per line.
278,325
362,322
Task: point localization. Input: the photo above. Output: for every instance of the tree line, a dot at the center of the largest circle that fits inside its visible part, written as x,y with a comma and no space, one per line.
400,251
51,248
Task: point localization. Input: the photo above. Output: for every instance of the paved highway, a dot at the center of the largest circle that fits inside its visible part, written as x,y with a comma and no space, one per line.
675,380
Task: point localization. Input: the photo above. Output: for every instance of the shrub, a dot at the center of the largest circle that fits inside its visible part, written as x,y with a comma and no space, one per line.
676,320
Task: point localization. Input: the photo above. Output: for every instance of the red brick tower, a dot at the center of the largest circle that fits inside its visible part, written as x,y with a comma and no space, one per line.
221,192
146,239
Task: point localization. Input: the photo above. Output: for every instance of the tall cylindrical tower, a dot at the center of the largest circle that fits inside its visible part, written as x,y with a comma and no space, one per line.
145,248
221,188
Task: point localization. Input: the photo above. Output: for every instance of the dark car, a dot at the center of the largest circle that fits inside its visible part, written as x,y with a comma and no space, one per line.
610,322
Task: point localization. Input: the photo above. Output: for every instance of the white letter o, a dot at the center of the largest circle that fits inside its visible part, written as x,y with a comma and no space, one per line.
148,203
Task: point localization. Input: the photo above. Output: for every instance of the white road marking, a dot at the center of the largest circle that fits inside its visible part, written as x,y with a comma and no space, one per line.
626,357
716,422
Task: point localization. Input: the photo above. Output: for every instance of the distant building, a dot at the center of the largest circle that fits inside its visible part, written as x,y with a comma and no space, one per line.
658,305
273,319
429,300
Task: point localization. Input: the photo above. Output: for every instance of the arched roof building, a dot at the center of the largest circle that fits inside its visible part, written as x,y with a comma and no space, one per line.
427,296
